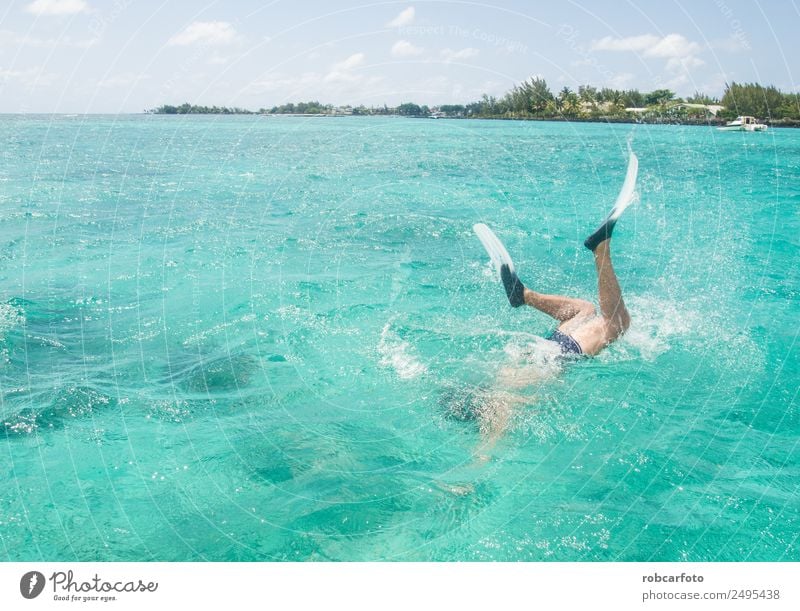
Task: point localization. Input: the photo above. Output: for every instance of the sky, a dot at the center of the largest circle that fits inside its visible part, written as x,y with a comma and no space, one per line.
122,56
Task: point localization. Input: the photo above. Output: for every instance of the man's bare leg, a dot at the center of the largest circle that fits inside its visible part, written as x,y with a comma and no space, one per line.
559,307
596,334
612,306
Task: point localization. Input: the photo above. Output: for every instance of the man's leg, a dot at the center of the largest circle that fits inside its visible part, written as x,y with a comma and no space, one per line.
559,307
594,335
612,307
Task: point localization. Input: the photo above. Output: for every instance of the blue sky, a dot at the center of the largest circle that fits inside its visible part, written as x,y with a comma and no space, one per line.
129,55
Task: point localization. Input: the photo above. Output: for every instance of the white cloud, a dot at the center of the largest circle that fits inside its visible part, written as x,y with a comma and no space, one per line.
680,53
449,55
354,61
404,17
342,71
684,63
7,37
403,48
57,7
631,43
205,32
671,45
337,76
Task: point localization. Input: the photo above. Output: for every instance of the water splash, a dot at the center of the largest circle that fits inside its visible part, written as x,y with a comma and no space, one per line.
656,325
398,354
11,317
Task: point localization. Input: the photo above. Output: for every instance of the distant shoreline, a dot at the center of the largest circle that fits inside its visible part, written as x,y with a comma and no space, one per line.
788,123
532,100
710,122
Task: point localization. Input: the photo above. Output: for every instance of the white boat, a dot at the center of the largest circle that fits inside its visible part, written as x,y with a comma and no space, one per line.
743,124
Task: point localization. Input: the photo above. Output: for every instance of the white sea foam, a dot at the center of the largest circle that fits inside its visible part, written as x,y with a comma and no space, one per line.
398,354
531,359
10,317
655,323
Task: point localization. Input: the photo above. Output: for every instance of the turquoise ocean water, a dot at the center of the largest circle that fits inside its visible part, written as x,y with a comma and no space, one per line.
253,338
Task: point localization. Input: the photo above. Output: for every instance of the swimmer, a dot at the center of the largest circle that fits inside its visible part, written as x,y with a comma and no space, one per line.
581,331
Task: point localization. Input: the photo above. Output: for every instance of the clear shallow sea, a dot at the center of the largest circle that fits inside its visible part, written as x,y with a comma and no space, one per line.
243,338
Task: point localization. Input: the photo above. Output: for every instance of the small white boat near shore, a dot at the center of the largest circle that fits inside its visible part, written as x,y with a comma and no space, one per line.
743,124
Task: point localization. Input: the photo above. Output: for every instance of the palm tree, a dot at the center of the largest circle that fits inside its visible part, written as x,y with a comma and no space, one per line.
568,102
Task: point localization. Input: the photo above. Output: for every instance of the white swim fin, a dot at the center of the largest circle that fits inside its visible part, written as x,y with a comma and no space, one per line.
627,195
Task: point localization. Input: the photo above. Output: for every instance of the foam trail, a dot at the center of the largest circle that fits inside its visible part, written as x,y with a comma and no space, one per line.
396,353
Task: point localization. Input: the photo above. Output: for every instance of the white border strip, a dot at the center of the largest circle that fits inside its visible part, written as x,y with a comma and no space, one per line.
409,586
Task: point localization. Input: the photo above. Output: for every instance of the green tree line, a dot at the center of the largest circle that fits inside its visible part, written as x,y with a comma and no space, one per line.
300,108
191,109
534,99
759,101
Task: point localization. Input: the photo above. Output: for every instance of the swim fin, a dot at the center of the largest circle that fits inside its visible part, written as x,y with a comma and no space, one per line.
515,290
626,197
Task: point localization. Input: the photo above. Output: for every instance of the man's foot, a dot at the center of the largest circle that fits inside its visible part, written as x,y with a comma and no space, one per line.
515,290
601,235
